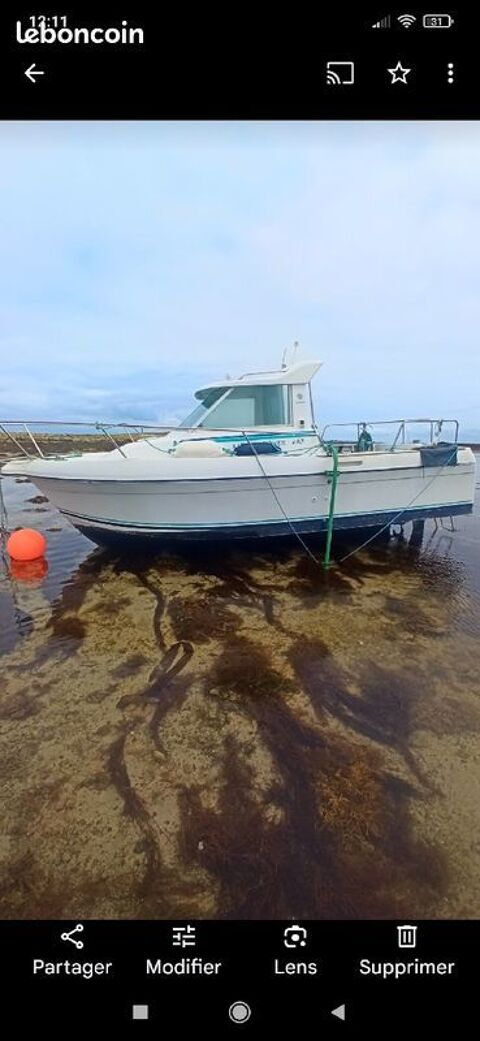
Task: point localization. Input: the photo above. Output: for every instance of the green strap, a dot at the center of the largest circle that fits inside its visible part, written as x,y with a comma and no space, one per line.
333,479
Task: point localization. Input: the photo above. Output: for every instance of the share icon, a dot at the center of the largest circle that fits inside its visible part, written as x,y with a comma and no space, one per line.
69,936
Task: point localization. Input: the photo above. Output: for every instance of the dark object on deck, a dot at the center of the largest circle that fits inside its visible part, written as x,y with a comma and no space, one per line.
260,448
365,440
443,454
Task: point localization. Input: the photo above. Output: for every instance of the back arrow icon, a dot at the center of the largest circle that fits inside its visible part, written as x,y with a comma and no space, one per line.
32,72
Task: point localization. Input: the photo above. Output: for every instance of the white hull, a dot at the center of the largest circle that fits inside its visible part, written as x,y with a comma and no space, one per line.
196,498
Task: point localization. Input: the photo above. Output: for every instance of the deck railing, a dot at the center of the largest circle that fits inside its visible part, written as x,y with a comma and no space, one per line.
13,429
402,428
19,432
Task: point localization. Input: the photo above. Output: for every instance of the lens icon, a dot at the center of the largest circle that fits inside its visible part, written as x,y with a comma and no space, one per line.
239,1012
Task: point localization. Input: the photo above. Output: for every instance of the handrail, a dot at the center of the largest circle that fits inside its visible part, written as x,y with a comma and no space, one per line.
15,442
92,423
21,429
111,438
140,429
34,442
400,423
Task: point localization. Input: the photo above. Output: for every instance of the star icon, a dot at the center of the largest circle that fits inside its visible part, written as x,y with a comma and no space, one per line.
399,74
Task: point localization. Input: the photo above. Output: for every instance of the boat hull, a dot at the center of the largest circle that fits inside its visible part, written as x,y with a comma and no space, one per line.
258,506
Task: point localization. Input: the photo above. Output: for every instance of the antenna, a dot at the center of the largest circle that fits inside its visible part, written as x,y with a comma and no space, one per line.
295,349
284,358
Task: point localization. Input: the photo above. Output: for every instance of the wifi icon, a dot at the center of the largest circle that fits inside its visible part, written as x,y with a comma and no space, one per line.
406,20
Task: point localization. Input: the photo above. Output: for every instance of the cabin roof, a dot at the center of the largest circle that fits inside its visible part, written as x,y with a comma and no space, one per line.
300,372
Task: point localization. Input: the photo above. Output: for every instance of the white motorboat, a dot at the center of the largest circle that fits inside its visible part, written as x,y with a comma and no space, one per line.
250,461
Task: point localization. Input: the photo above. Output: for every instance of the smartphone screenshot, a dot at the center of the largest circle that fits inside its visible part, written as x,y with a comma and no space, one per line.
239,522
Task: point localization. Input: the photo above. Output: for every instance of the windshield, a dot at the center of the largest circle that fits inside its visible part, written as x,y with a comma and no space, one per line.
241,407
210,397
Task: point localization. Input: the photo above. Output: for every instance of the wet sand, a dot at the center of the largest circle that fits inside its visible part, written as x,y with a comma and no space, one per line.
238,734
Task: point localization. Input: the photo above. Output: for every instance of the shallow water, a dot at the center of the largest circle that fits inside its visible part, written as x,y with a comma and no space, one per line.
236,733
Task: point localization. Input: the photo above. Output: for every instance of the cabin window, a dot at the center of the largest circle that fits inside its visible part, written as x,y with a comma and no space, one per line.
250,407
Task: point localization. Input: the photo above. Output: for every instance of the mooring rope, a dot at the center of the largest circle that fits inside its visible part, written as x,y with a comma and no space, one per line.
399,514
277,500
3,515
371,538
3,543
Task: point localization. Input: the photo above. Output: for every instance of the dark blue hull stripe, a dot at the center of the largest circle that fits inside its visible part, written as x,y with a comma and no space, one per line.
306,525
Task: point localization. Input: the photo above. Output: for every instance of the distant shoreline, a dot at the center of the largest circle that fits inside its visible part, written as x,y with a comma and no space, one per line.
59,443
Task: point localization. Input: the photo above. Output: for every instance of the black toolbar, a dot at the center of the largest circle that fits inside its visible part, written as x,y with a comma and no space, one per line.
224,975
135,63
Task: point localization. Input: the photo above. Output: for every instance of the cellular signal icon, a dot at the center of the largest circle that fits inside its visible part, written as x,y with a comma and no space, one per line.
384,23
406,20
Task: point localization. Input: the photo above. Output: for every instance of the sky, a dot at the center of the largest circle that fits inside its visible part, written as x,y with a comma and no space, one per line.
138,261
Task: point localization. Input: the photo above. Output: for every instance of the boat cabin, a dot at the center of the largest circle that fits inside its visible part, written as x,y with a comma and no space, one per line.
280,400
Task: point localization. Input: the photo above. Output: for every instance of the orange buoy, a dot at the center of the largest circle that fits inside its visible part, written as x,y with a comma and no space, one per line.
26,544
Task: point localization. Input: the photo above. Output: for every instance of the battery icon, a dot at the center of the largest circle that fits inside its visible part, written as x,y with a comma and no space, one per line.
437,21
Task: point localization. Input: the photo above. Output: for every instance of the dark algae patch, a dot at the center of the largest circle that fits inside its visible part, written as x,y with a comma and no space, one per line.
201,618
68,627
329,849
134,808
243,673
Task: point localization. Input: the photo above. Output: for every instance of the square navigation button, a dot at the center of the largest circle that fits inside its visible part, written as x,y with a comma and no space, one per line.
139,1011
